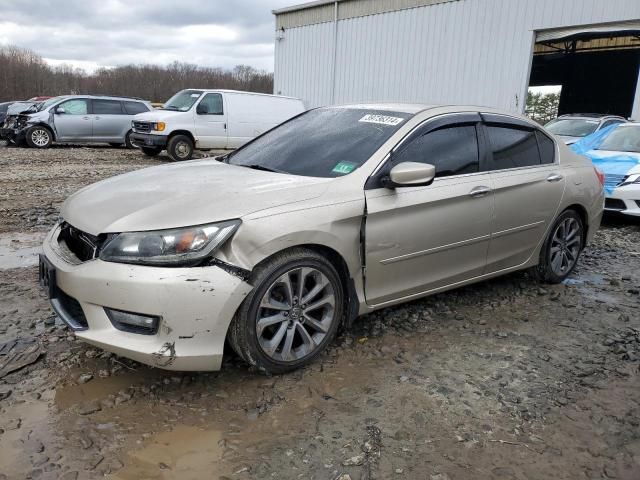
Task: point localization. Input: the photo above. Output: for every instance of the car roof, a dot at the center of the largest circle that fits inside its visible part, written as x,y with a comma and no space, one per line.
110,97
595,116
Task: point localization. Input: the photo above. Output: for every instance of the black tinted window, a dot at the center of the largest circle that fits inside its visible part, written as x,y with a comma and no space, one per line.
132,108
325,142
107,107
547,148
453,151
513,148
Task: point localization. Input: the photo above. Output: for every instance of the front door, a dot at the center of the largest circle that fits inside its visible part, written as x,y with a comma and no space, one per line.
211,122
75,124
528,187
420,239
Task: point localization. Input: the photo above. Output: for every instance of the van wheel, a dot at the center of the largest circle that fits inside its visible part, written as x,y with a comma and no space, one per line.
291,315
151,151
39,137
561,249
180,148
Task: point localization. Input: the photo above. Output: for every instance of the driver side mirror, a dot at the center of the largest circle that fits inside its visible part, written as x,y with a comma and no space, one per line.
202,109
60,110
410,174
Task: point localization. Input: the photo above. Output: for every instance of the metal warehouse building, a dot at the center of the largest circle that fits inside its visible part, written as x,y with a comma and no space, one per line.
481,52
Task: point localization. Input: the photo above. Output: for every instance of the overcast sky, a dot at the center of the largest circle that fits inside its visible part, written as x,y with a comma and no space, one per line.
91,33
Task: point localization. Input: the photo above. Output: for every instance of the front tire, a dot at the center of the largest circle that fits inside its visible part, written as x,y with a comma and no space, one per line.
39,137
561,250
179,148
127,140
291,315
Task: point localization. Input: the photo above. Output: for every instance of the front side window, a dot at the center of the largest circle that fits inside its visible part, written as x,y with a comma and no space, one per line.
211,104
183,101
452,150
107,107
78,106
512,148
325,142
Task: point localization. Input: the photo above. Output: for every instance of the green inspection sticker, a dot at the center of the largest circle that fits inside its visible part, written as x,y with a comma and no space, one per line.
344,167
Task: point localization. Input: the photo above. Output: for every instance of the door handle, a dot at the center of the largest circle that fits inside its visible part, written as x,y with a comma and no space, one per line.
86,118
97,118
554,177
479,192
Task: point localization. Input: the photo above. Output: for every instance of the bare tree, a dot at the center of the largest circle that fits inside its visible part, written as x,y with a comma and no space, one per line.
24,74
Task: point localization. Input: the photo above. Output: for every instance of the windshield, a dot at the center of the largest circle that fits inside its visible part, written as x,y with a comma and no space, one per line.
182,101
48,103
326,142
623,139
572,127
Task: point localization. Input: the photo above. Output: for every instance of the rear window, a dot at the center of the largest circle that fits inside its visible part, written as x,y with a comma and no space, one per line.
133,108
572,127
513,148
107,107
325,142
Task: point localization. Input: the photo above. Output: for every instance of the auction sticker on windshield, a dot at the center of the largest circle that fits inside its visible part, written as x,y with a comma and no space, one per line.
344,167
381,119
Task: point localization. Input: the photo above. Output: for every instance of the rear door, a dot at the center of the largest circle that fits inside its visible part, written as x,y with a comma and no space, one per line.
75,124
528,187
110,122
419,239
211,121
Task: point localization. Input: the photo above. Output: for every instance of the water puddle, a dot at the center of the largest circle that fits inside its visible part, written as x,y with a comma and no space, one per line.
19,250
588,279
185,453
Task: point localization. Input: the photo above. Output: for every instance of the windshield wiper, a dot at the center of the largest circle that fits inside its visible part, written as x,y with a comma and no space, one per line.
170,107
263,168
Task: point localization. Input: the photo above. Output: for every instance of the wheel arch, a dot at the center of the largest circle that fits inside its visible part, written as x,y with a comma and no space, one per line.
584,216
181,132
44,125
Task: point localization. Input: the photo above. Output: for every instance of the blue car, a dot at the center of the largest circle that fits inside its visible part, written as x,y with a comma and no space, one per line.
616,152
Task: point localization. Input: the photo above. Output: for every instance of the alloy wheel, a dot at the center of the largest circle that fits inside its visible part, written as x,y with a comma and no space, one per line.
295,314
565,246
40,137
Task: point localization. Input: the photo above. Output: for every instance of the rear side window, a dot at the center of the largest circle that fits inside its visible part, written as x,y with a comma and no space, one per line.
452,150
512,148
547,148
107,107
133,108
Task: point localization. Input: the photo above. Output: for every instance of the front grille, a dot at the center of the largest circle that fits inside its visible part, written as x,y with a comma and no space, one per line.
612,181
614,204
142,127
81,244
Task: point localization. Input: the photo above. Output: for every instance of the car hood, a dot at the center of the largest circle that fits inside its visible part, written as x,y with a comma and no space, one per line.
184,194
158,116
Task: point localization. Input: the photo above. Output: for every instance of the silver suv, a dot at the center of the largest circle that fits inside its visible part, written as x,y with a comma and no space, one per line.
76,118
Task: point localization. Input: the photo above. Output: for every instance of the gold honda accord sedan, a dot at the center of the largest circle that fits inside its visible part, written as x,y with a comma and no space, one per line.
333,214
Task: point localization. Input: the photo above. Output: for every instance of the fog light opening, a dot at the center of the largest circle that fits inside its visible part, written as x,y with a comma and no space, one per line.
133,322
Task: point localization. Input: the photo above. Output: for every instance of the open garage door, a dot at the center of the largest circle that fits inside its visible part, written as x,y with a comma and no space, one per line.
597,66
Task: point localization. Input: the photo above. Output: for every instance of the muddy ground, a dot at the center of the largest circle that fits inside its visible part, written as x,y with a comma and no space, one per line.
506,379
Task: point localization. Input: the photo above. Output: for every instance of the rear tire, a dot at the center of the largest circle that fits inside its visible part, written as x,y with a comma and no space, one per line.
561,249
291,315
127,140
39,137
151,151
180,148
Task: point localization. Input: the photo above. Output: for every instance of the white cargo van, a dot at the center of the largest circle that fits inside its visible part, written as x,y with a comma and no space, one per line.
210,119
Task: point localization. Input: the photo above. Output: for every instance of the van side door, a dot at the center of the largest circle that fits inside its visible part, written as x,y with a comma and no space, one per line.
210,121
110,122
528,187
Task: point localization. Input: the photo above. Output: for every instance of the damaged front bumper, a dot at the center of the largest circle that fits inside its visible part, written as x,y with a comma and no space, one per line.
13,128
195,307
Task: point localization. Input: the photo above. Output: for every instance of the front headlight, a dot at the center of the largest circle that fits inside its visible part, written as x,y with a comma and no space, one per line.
158,126
176,247
630,180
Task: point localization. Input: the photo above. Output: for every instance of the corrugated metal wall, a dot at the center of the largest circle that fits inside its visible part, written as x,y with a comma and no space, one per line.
468,51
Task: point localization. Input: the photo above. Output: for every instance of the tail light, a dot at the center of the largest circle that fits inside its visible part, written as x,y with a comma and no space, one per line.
600,176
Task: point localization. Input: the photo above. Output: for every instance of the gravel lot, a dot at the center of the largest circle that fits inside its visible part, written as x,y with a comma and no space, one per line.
506,379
